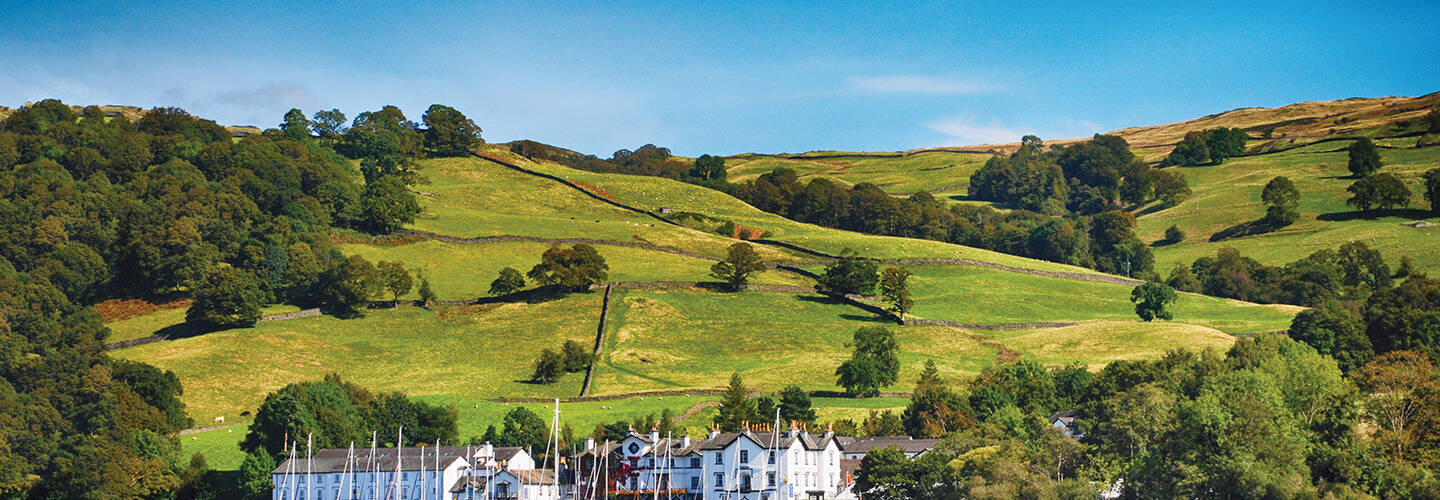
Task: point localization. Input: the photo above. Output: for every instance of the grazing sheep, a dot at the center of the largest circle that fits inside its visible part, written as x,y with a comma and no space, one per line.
220,419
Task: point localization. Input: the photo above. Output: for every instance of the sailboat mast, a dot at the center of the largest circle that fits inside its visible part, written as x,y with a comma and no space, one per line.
374,465
399,456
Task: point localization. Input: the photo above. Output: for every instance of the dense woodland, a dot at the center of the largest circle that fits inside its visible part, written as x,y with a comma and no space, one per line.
95,207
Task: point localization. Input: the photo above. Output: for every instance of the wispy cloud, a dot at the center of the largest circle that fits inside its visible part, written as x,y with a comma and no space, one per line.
920,84
968,132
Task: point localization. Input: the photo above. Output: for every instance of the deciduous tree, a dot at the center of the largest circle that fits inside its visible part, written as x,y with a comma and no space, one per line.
1150,300
1281,199
387,205
740,262
226,298
394,278
509,281
873,364
849,274
894,287
1364,158
448,132
574,268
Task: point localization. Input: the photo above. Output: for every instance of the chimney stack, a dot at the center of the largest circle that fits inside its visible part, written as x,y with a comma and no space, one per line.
590,444
685,441
654,435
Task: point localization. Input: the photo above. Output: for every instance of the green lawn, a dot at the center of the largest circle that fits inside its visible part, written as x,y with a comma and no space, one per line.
905,175
1229,194
985,296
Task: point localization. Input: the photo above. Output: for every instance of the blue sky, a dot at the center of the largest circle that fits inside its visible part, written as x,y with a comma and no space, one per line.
725,77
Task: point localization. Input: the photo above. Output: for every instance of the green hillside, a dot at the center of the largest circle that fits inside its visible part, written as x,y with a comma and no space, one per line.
658,339
1228,194
937,171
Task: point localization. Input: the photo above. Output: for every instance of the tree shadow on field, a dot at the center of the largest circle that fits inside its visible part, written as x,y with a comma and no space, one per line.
1407,213
867,319
1243,229
184,330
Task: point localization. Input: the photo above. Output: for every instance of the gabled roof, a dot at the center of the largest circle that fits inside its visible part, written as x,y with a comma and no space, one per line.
1065,417
904,443
332,460
763,439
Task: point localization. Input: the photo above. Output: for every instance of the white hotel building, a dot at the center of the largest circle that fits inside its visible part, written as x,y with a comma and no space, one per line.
791,465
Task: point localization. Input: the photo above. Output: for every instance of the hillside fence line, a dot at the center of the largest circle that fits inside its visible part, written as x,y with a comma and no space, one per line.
599,342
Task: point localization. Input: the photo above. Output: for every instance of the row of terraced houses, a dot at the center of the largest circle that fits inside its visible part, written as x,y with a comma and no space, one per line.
747,465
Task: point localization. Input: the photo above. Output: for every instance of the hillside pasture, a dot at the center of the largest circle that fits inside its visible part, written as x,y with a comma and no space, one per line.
901,174
990,297
464,271
651,193
475,352
1228,195
671,339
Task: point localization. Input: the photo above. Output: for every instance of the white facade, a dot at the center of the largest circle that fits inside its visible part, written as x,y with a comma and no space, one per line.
747,468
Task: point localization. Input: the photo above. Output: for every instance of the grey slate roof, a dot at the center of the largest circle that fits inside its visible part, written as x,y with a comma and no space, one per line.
905,443
333,459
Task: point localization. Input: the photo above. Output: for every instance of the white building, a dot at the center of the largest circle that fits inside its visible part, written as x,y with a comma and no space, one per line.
724,466
770,466
336,473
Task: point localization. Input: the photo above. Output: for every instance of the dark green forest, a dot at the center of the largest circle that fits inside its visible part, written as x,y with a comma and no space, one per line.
94,207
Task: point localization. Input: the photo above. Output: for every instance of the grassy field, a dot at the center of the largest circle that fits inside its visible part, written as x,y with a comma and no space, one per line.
476,351
221,446
172,321
473,197
666,339
1229,194
985,296
905,175
1110,340
653,193
459,271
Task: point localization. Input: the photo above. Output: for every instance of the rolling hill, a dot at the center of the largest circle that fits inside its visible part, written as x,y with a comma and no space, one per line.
1305,142
663,333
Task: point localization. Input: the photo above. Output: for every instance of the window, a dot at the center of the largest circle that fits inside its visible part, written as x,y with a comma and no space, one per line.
502,489
694,482
634,448
695,462
719,480
718,459
744,456
744,481
770,479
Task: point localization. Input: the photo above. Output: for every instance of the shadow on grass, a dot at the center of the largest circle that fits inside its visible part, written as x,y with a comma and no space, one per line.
1243,229
184,330
1407,213
869,319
